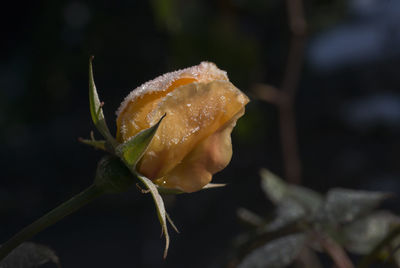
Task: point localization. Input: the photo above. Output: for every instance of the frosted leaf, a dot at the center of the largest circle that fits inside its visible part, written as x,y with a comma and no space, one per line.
278,253
30,254
362,235
345,205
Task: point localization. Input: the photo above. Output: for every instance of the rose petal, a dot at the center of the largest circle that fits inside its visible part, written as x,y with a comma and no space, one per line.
210,156
194,112
134,109
193,141
132,119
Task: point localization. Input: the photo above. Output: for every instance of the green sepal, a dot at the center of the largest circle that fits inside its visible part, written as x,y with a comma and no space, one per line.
96,110
165,190
97,144
130,152
112,176
172,223
213,185
133,149
161,213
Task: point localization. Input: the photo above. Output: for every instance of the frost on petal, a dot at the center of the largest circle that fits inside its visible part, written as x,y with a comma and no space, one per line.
146,97
212,105
193,141
207,158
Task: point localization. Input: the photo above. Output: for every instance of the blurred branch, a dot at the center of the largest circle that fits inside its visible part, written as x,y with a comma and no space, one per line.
285,97
334,250
267,93
307,258
297,25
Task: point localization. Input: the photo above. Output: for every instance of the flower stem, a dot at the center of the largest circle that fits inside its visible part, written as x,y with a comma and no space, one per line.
50,218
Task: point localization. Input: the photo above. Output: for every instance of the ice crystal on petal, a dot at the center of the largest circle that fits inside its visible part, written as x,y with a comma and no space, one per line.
204,72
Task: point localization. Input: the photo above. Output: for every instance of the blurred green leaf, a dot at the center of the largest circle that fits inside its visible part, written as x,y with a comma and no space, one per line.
275,254
392,240
250,217
30,255
133,149
279,191
309,199
362,235
287,212
96,110
345,205
395,252
273,186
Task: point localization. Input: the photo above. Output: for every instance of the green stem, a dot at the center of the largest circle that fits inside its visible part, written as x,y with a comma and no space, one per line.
50,218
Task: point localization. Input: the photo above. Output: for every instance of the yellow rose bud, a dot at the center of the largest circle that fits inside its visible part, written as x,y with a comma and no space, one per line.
193,141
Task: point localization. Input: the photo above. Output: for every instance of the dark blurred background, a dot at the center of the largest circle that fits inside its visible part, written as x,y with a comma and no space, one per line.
347,113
